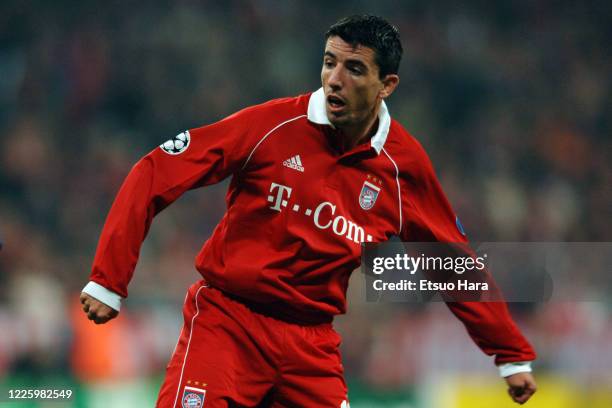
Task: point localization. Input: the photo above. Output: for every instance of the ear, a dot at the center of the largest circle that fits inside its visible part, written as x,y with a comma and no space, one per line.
389,83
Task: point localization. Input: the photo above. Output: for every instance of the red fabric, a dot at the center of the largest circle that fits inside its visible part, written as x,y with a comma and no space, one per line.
295,259
430,218
241,358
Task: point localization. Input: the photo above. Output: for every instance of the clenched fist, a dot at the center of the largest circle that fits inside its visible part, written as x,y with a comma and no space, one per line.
521,387
97,311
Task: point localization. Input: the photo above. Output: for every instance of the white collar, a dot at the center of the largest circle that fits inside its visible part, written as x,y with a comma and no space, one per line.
318,115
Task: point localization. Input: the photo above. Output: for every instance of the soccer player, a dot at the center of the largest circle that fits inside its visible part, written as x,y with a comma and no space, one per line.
313,177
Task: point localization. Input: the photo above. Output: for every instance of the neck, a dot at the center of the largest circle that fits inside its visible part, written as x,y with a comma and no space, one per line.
358,133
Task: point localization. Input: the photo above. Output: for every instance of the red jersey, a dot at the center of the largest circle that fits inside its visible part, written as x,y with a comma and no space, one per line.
298,209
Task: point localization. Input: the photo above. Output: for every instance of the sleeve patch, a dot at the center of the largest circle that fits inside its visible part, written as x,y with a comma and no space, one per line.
177,145
459,225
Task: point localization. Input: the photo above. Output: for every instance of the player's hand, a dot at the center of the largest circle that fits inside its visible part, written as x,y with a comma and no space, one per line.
97,311
521,387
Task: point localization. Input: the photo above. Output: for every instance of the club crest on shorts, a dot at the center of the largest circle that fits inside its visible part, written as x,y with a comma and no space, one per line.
368,195
177,145
193,397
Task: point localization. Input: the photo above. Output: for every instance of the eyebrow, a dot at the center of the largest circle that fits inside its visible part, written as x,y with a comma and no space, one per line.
329,54
350,61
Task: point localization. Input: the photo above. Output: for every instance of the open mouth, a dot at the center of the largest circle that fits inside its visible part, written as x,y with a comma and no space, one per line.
335,102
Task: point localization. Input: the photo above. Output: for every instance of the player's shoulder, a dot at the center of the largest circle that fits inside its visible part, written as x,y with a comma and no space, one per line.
277,110
406,150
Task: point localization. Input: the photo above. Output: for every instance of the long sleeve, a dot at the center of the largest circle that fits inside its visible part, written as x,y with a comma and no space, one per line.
428,217
194,158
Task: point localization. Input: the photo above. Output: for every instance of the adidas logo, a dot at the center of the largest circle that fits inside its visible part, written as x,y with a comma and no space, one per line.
294,163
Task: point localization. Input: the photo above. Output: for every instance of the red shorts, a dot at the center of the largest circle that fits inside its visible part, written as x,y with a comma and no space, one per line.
228,355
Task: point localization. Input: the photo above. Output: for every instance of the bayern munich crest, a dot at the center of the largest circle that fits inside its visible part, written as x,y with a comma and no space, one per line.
368,195
193,397
176,145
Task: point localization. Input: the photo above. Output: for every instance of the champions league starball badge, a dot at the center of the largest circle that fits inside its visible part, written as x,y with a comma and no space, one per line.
176,145
193,397
368,195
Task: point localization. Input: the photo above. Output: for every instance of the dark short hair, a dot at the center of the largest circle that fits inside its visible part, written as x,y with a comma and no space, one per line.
373,32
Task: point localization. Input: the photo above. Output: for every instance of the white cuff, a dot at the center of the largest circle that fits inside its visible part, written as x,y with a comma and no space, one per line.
102,294
508,369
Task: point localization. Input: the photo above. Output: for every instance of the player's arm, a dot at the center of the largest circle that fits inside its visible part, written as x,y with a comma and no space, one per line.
427,217
195,158
97,311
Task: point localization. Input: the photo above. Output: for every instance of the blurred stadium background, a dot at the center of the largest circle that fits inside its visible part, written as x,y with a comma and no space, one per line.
511,99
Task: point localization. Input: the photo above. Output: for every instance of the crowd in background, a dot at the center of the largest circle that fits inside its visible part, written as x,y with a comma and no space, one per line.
512,100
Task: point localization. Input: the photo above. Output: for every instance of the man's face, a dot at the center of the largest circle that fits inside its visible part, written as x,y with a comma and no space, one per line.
351,83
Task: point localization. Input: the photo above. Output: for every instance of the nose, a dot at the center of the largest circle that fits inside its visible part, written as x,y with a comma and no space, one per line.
335,78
